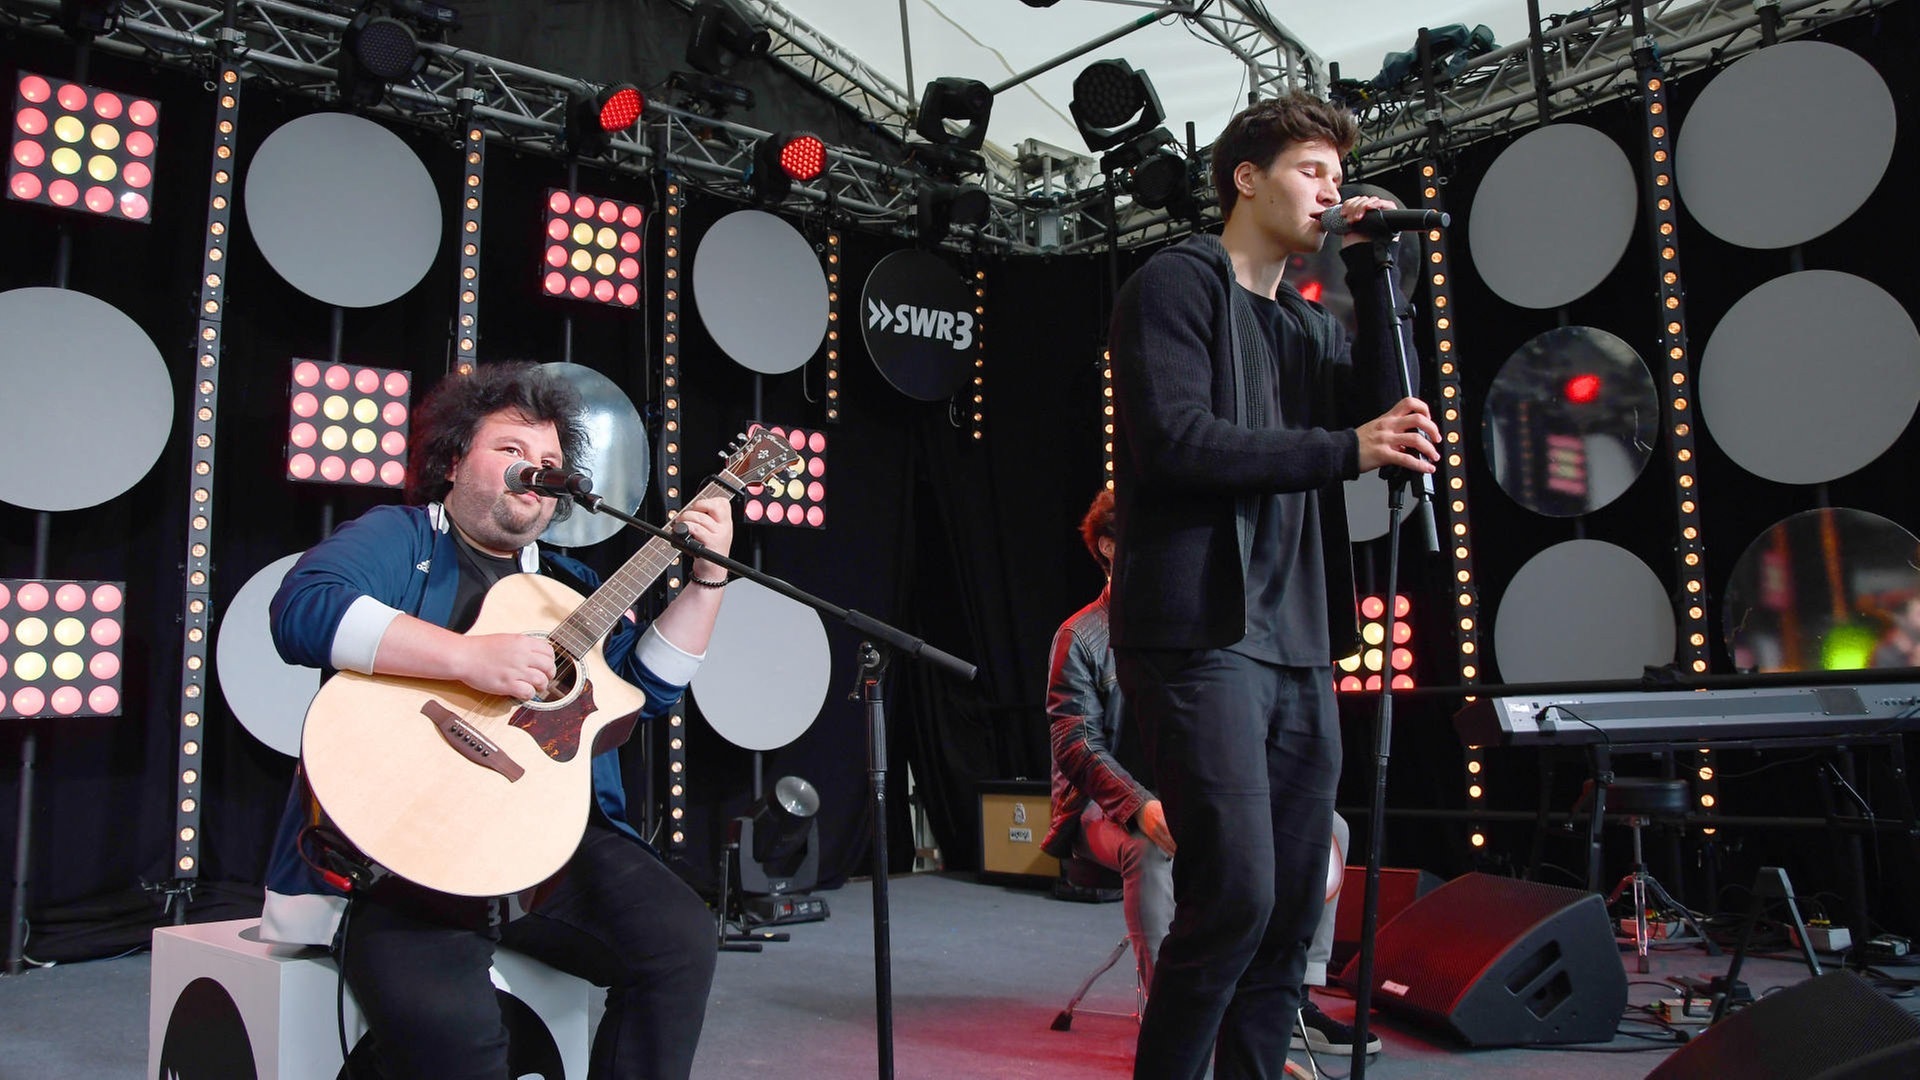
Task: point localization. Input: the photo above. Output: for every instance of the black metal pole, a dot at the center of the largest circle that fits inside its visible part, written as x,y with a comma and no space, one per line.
29,752
1398,480
873,665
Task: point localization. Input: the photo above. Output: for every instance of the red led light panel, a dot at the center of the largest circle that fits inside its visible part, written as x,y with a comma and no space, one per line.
592,249
621,109
82,148
60,647
804,158
348,424
798,497
1361,671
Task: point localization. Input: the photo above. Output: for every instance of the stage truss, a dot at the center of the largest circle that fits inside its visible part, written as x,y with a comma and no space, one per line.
1575,63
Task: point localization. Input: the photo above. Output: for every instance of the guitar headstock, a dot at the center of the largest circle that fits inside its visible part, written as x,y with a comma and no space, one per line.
756,457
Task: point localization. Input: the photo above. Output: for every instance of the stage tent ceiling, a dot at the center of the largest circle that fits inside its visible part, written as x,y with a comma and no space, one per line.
1197,79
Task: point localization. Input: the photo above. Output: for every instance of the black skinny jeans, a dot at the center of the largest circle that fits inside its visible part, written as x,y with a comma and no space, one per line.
619,919
1246,758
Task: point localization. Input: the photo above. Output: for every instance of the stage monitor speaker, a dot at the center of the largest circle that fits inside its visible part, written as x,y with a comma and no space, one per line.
1499,962
1835,1027
1398,888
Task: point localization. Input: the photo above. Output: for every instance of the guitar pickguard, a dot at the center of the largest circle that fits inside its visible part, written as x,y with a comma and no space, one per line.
557,730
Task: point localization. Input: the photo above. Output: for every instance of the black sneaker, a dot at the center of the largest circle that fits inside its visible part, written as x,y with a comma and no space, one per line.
1325,1035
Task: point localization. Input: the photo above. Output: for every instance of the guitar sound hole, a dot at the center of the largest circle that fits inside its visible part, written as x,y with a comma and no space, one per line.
566,675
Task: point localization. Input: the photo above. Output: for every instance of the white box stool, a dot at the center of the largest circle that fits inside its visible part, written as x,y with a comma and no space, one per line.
225,1003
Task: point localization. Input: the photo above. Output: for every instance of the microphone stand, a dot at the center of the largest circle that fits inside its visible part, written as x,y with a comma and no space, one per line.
882,642
1397,479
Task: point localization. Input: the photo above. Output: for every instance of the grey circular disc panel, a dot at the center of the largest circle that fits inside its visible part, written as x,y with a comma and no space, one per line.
267,695
1570,421
1810,377
1785,144
1580,610
616,458
1526,245
1833,589
88,402
760,291
343,209
765,676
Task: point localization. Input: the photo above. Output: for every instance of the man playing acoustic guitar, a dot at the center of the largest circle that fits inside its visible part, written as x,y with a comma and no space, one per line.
391,594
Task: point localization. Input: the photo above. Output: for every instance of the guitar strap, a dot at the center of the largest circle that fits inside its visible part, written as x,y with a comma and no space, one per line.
550,567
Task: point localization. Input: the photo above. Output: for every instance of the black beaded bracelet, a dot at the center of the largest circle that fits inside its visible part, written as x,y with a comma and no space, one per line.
697,580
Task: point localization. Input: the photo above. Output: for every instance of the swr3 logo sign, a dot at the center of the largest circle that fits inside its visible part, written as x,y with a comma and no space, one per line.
931,323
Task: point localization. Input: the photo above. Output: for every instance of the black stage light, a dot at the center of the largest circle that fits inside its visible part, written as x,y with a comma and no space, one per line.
724,31
782,158
374,52
940,207
716,93
1112,102
436,19
776,847
84,20
955,99
593,120
943,160
1162,181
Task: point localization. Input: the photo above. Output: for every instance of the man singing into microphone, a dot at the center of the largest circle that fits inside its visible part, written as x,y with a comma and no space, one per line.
390,593
1240,406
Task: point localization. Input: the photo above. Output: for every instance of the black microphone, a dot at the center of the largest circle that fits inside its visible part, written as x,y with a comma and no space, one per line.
525,476
1383,223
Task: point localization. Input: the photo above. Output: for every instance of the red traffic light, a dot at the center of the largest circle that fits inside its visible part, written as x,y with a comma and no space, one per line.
1583,389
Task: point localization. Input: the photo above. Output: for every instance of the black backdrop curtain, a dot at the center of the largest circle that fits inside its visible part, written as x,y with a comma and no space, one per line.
968,543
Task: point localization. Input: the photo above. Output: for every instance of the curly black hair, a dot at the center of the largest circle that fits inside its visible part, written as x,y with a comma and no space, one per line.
445,422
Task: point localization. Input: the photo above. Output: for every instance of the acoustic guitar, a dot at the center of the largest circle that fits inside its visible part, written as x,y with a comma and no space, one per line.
480,795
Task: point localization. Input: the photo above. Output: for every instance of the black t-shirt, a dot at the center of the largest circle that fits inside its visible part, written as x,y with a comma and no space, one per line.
478,572
1286,576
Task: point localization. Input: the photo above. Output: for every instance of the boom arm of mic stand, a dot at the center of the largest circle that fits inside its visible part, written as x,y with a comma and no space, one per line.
891,636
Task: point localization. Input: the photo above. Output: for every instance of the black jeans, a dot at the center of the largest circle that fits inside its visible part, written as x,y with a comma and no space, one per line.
619,918
1246,757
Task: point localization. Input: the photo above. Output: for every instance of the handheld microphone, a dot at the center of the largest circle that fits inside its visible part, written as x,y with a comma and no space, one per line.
523,476
1383,223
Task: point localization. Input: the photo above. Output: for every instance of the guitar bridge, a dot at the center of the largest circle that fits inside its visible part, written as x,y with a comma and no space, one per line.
469,743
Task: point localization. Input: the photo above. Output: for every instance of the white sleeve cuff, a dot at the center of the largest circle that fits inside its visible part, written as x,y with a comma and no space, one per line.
357,638
670,662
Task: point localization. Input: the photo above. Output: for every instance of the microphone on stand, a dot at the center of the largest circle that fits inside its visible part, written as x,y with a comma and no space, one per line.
524,476
1383,223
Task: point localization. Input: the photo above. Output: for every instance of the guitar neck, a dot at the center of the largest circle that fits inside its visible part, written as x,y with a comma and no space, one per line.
590,622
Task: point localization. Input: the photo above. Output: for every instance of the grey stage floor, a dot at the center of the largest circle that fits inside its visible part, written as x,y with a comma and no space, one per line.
978,974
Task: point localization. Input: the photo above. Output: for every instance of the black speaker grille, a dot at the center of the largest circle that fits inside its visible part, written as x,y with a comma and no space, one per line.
1836,1027
1502,962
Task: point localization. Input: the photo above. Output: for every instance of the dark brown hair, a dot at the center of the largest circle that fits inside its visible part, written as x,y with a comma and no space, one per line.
1098,523
1259,132
444,423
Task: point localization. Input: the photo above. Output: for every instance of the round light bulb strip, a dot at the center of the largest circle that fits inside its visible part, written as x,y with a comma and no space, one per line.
1663,224
1106,418
1457,530
672,266
978,406
833,326
466,342
198,610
